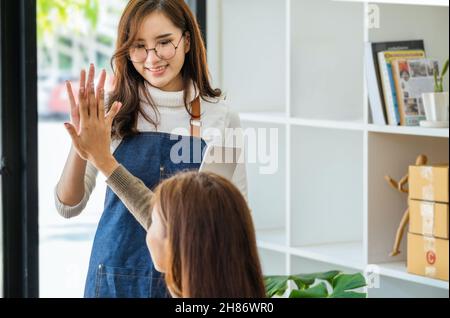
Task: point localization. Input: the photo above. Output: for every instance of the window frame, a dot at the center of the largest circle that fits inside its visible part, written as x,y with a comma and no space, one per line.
19,153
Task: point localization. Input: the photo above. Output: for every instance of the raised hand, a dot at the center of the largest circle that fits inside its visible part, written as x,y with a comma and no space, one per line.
92,139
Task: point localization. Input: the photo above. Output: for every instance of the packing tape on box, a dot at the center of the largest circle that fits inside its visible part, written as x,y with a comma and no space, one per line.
427,212
429,244
427,173
430,248
430,271
427,191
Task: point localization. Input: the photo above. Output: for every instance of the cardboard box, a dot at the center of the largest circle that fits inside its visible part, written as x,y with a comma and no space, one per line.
429,183
428,256
429,218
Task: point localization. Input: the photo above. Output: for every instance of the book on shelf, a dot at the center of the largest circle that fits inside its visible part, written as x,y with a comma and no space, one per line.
412,78
385,59
373,76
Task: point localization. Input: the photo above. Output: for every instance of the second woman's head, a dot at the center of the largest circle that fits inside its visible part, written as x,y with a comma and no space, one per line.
202,237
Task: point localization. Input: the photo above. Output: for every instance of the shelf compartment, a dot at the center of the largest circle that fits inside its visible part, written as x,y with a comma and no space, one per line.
282,118
357,125
391,154
266,177
413,131
264,117
399,22
326,78
252,58
346,254
390,287
398,270
272,239
273,263
326,186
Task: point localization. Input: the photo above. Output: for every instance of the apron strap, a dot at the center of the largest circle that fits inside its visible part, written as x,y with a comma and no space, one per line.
196,123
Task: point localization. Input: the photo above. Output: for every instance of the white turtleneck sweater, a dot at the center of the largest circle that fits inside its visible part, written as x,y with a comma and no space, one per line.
217,117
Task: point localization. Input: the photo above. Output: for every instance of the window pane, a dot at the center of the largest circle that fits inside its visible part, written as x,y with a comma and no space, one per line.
72,34
68,41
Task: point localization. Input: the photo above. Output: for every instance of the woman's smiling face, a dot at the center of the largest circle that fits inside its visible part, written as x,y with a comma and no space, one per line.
158,30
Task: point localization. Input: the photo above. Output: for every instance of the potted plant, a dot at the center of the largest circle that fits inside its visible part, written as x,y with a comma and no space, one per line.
333,284
437,104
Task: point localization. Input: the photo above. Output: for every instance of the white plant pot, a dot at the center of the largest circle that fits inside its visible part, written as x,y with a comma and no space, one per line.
436,106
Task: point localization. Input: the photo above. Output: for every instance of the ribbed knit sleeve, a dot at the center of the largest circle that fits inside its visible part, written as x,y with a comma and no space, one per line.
67,211
133,193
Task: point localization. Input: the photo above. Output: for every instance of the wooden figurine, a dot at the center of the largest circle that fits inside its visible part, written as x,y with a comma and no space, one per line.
401,187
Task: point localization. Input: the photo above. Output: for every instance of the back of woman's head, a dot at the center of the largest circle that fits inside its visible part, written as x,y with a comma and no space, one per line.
211,239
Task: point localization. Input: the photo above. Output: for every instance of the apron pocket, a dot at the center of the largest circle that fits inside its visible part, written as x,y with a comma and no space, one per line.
120,282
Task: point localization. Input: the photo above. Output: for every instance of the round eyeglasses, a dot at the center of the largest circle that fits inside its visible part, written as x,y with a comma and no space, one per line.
165,50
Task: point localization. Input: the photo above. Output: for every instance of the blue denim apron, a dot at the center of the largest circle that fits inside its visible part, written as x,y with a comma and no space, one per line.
120,264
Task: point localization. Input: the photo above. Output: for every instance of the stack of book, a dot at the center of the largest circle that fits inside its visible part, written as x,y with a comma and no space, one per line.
397,74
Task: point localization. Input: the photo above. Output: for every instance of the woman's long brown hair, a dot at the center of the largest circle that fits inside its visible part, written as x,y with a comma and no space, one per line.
129,83
211,238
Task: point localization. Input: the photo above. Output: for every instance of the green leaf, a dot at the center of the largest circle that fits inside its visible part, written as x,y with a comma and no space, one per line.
349,294
345,282
306,280
318,291
444,70
276,285
343,285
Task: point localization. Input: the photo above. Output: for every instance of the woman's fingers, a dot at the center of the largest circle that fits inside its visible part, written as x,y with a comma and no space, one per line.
92,103
115,108
93,114
91,74
101,96
91,93
83,107
74,112
101,104
73,134
70,94
101,80
75,140
82,81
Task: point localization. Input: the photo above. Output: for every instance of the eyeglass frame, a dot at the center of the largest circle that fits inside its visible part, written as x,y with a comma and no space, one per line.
156,51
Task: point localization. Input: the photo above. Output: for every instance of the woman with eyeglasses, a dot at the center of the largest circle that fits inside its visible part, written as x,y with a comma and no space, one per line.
164,113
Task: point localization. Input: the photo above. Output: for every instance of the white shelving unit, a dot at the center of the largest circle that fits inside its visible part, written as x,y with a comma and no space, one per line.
297,65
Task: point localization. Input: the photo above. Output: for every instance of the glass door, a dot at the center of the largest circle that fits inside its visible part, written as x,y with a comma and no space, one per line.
71,35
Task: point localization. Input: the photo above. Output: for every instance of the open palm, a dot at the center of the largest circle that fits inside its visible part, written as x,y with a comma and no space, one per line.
90,127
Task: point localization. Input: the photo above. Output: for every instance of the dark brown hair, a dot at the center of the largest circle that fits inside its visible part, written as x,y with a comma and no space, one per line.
211,238
129,83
